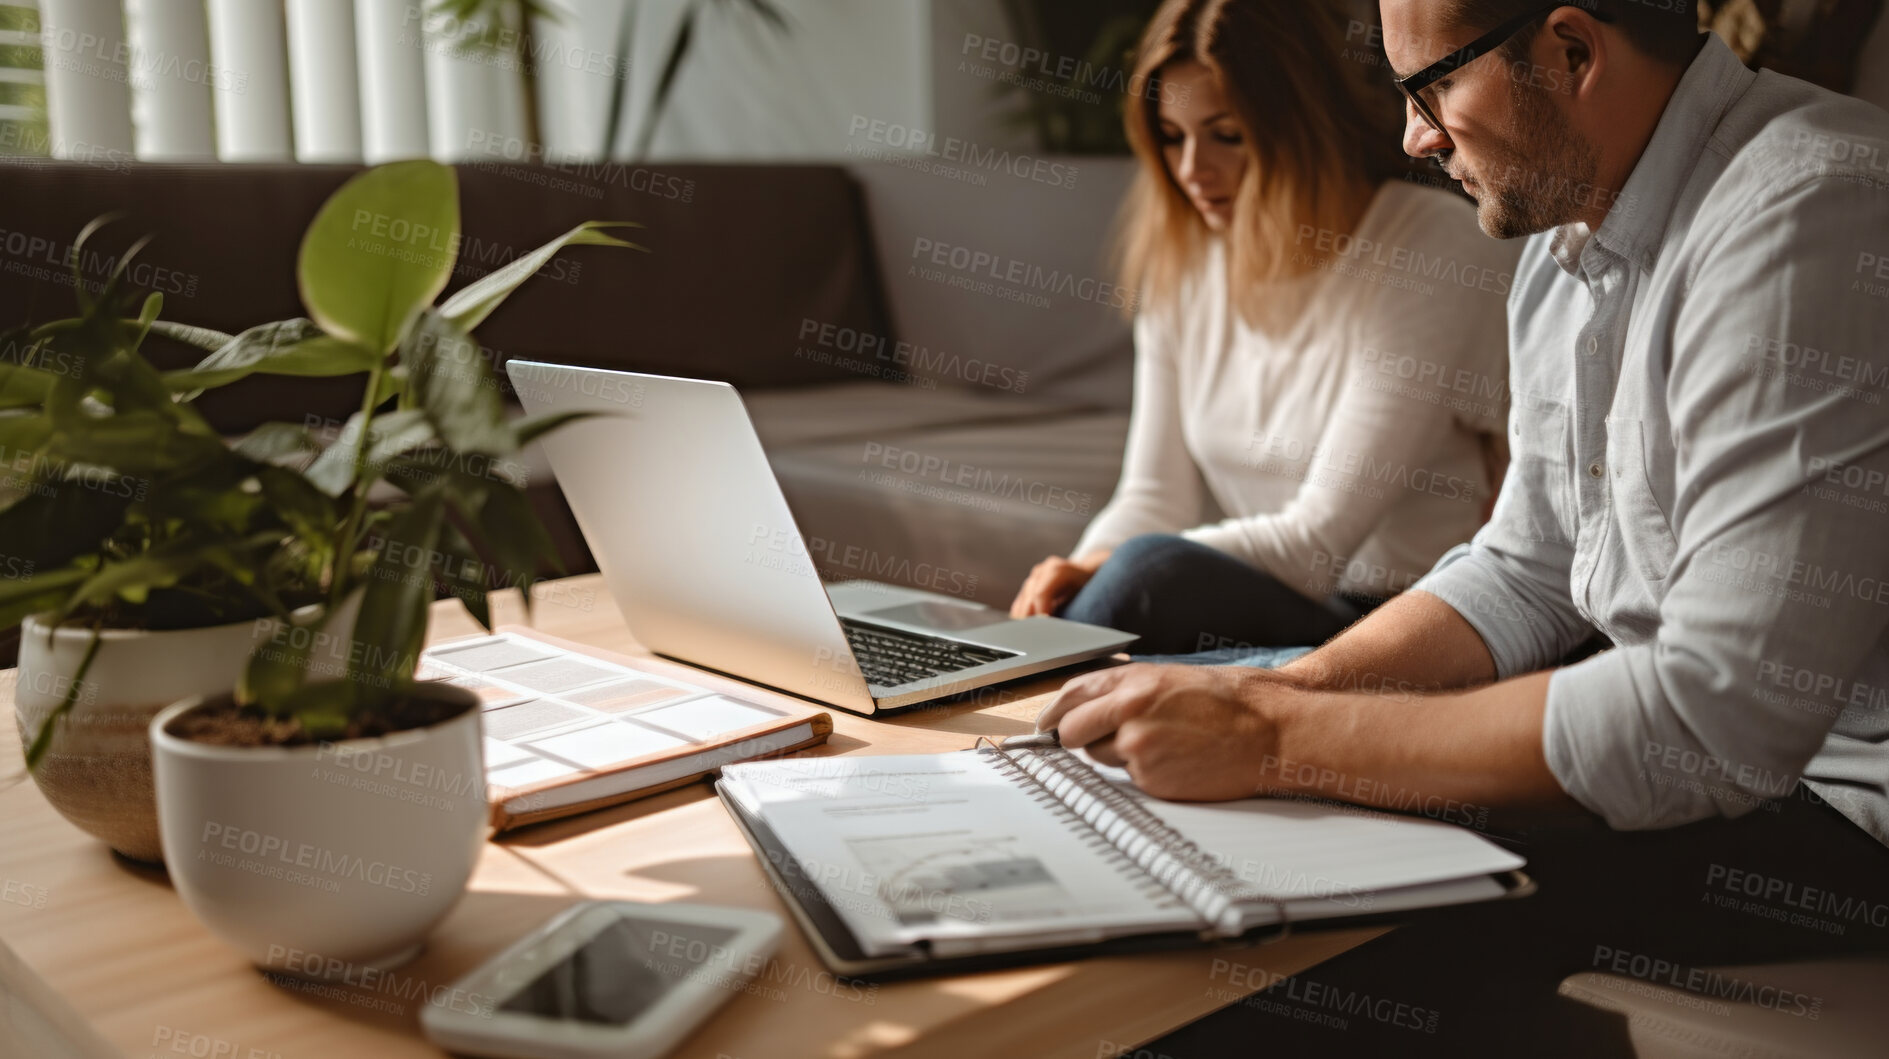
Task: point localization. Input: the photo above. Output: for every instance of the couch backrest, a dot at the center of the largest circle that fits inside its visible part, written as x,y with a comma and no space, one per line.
739,257
997,272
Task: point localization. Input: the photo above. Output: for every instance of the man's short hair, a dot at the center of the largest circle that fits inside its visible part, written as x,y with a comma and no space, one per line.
1667,30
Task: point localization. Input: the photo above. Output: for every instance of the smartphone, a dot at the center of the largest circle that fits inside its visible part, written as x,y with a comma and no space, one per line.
617,979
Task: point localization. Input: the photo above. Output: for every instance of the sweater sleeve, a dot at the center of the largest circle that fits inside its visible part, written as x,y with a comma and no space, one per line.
1160,490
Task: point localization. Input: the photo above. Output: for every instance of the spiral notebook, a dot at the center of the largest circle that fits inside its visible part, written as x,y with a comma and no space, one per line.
946,862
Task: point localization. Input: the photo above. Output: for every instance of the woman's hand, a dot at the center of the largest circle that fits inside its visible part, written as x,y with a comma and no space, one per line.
1054,582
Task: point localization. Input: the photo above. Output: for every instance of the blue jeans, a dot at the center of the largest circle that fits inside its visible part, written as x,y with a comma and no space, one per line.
1184,598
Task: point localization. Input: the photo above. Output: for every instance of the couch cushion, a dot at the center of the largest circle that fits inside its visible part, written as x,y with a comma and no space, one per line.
743,262
868,410
740,258
1003,282
222,253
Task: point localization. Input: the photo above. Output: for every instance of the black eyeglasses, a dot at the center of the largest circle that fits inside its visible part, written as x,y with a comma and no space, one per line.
1418,84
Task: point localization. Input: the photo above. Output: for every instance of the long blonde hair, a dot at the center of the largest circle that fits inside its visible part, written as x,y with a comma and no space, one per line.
1317,146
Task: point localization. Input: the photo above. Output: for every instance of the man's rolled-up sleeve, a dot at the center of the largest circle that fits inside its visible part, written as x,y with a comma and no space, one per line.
1780,565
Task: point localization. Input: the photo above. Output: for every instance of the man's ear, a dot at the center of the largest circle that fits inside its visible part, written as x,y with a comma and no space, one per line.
1575,48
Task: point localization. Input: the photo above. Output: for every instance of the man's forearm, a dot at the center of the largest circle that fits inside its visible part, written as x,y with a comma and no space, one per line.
1415,642
1480,747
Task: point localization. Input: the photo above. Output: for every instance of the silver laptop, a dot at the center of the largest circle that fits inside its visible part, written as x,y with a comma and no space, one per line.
687,522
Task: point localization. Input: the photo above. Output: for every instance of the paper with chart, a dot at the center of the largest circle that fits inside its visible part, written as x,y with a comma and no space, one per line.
942,847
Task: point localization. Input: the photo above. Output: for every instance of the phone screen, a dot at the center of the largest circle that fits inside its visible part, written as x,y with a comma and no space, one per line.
623,971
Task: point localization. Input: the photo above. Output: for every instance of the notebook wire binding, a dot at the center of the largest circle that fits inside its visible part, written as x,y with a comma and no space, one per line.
1187,874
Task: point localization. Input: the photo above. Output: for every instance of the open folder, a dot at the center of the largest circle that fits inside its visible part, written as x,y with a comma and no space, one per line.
936,863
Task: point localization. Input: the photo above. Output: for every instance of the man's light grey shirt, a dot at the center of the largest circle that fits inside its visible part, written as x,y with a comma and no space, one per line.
1700,429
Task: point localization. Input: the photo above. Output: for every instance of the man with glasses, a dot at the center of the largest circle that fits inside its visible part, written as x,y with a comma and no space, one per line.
1700,426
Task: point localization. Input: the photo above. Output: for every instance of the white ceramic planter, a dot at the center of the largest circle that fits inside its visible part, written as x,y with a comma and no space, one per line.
97,771
314,859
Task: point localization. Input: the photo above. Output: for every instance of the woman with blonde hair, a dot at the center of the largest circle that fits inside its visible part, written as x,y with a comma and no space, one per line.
1320,348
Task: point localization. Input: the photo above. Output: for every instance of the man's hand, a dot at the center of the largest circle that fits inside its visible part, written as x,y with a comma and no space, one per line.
1187,733
1054,582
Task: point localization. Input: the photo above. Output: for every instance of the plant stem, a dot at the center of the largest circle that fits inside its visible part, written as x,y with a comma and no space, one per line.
42,740
343,558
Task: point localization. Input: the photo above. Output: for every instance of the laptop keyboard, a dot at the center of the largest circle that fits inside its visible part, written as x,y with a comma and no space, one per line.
891,657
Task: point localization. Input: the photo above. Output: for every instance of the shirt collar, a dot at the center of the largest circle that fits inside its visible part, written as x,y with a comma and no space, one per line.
1636,225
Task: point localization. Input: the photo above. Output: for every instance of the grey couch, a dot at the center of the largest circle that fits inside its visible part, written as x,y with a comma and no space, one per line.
938,367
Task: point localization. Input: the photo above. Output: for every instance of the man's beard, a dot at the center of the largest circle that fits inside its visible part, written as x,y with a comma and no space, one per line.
1540,178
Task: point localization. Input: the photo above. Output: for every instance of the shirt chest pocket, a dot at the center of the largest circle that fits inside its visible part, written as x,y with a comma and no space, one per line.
1640,482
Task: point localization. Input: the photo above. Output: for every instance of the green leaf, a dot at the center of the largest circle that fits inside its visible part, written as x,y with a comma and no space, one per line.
462,575
454,385
49,529
38,593
272,441
381,249
392,627
468,308
132,579
142,444
153,307
323,707
42,740
307,511
23,387
22,434
514,542
393,433
291,347
201,337
275,670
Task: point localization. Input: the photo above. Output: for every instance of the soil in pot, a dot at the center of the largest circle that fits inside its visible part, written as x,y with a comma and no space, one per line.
226,724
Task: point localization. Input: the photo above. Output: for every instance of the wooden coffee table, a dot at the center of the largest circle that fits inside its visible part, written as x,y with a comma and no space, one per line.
98,957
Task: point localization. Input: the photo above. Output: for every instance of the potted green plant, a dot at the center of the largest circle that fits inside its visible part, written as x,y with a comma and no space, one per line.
270,539
141,553
331,803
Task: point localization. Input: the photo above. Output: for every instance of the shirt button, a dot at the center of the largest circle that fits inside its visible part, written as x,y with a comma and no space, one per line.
1597,471
1593,344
